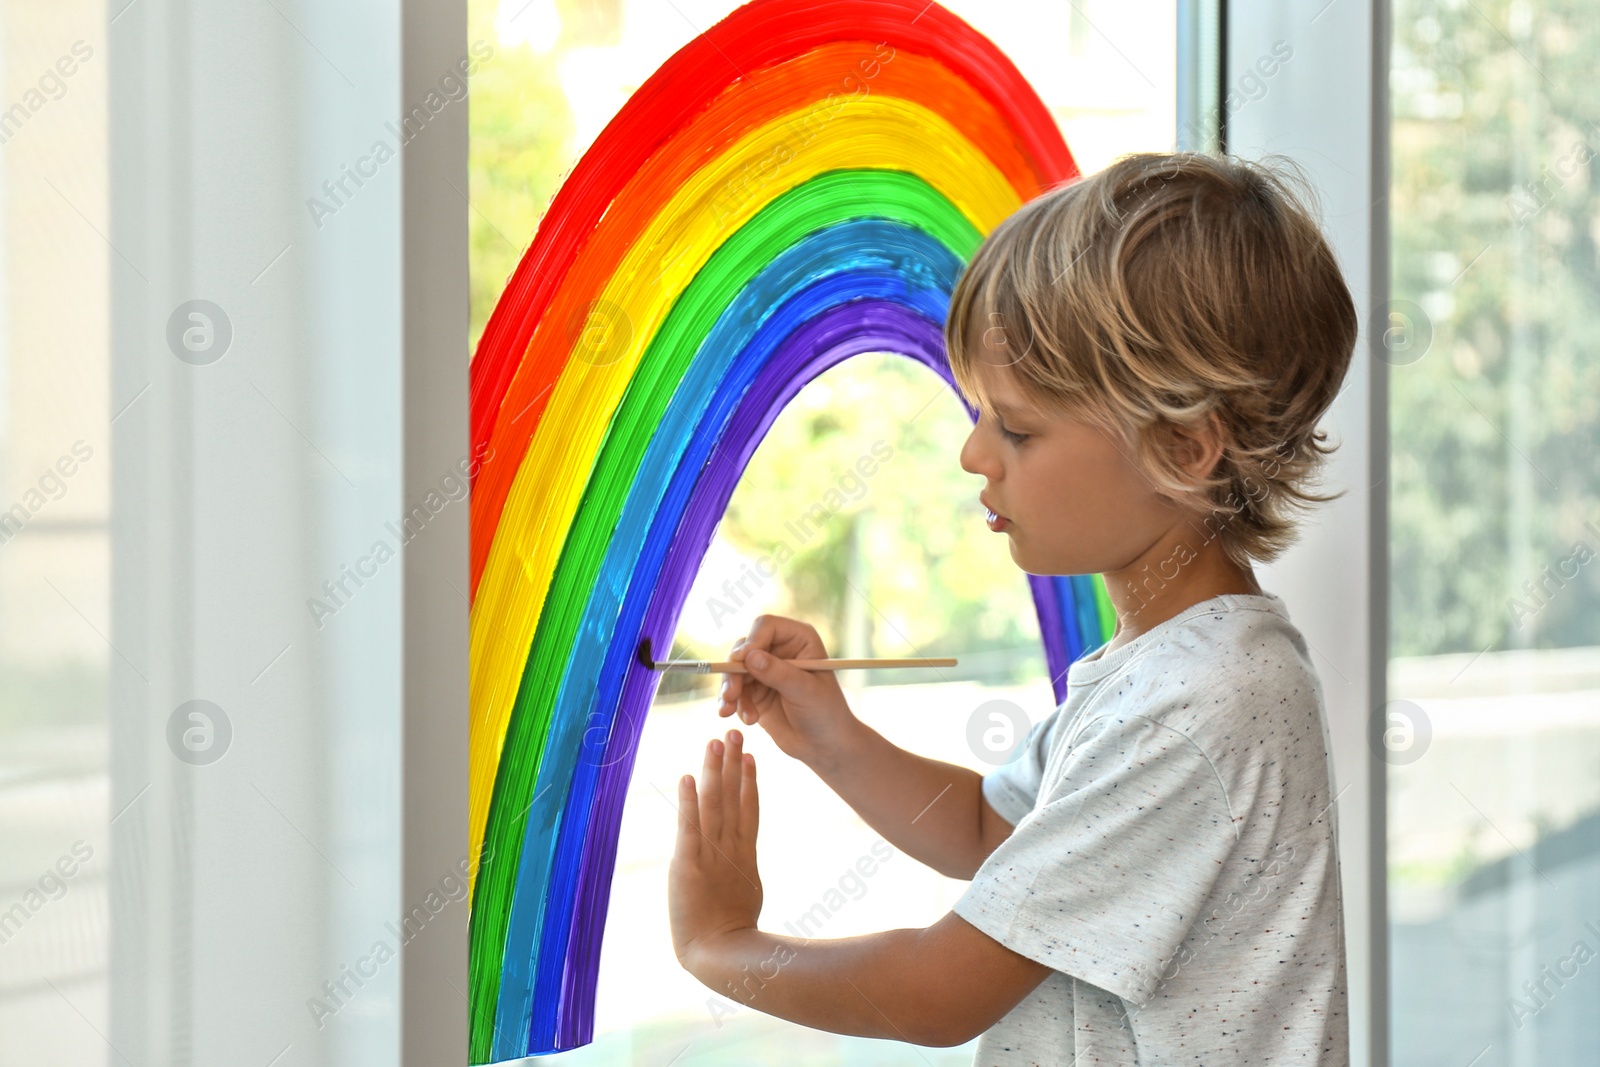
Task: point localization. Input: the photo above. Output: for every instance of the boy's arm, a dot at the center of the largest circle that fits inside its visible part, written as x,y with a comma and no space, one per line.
934,812
940,986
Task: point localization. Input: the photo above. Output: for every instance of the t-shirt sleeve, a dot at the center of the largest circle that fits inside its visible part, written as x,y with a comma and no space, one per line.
1105,877
1012,787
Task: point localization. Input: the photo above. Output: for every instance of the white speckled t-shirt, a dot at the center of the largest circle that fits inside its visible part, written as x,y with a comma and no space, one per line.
1173,856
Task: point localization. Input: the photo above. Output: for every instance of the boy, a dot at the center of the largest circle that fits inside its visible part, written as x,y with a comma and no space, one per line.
1154,877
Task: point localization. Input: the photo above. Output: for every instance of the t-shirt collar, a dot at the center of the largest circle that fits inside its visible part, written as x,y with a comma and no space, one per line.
1098,664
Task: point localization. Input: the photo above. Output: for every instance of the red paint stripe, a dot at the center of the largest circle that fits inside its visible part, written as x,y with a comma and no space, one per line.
758,35
791,90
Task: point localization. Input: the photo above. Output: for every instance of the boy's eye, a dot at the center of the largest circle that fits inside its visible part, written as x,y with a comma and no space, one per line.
1014,438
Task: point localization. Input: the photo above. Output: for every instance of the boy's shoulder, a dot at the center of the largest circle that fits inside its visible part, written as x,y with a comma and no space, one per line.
1231,674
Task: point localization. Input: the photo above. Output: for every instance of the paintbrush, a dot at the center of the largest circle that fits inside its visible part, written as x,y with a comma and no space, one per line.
701,666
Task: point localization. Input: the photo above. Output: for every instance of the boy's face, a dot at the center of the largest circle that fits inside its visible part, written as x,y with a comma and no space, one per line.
1071,497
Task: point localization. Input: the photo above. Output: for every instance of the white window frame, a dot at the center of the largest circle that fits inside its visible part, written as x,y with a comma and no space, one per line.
242,886
1327,108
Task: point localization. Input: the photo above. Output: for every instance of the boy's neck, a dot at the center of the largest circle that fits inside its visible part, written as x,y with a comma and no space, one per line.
1177,572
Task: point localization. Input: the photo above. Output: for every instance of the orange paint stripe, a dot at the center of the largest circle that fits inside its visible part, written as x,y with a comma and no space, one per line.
800,85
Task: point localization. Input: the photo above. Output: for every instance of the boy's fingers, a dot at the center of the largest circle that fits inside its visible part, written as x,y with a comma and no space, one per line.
749,693
732,782
688,816
749,804
736,682
778,675
765,637
732,684
711,792
782,636
763,630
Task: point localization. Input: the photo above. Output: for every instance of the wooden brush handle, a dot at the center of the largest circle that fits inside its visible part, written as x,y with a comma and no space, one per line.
735,667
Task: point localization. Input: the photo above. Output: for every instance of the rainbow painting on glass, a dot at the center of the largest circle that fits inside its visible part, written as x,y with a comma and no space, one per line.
798,185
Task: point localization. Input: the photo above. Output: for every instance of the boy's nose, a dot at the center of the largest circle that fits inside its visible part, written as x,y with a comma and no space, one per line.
969,453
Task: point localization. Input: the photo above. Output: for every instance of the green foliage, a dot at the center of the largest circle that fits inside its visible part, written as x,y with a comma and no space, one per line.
898,562
520,126
928,576
1494,429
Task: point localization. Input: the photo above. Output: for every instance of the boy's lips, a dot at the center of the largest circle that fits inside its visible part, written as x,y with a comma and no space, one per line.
997,522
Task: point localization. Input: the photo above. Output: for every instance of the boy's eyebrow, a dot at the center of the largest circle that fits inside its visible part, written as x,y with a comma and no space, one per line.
1008,411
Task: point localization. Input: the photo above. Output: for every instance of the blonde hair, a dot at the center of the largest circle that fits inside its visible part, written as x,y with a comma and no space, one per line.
1168,290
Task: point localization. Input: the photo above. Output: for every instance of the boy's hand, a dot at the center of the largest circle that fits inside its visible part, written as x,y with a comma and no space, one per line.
712,883
804,711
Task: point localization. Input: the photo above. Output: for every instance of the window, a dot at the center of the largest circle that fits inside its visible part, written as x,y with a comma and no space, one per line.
1492,733
901,566
55,555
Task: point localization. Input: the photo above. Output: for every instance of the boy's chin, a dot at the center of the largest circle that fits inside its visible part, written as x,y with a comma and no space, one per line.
1050,567
1021,558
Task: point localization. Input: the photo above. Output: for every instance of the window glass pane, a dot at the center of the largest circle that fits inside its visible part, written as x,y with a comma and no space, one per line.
901,565
1493,725
55,477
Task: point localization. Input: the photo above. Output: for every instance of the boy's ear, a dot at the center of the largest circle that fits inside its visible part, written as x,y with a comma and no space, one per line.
1199,449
